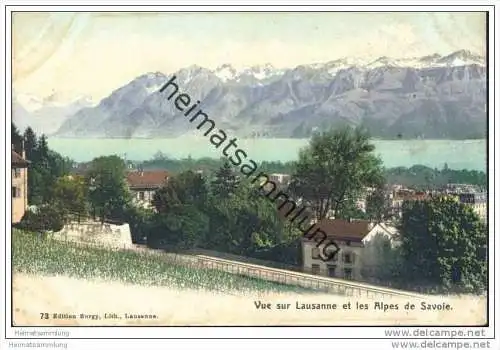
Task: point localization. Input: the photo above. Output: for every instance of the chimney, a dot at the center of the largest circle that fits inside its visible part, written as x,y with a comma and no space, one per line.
23,152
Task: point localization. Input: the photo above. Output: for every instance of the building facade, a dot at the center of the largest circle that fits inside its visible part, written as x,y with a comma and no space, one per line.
280,179
397,198
19,185
144,184
478,202
358,242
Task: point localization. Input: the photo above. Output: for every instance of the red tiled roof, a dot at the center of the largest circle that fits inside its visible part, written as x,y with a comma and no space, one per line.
147,179
19,161
340,229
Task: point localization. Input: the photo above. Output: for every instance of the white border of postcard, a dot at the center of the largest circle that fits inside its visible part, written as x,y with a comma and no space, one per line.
246,332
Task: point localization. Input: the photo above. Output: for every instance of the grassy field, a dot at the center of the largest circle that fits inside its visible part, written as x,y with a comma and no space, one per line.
34,255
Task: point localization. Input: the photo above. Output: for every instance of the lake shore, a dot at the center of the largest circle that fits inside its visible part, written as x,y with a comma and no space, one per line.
467,154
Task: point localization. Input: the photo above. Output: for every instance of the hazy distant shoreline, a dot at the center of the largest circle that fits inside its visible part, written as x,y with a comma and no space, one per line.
465,154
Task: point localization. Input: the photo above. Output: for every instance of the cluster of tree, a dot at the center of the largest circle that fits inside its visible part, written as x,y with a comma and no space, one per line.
45,167
417,176
333,171
57,196
422,177
226,214
207,165
442,248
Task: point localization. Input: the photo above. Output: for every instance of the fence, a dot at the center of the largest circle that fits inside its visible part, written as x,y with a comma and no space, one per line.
325,284
307,271
318,283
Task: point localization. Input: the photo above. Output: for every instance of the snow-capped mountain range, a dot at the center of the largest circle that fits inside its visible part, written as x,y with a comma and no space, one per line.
265,72
426,97
46,115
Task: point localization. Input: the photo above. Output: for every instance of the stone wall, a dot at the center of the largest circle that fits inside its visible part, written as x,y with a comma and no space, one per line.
94,232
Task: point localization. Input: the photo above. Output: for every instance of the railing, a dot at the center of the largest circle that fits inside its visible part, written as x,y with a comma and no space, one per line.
319,283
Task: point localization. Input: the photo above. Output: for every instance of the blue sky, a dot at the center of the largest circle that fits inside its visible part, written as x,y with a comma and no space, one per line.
94,53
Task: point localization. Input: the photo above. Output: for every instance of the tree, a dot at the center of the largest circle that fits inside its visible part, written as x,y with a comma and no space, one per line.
16,138
225,182
180,205
184,227
71,194
30,144
337,165
45,167
108,192
381,260
45,218
185,188
444,245
377,205
139,220
245,222
350,210
42,150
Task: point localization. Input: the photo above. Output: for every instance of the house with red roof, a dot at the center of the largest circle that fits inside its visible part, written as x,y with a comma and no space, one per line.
144,183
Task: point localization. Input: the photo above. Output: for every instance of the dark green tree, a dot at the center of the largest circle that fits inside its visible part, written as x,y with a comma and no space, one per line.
443,245
180,205
337,165
108,193
377,205
185,188
16,138
30,144
45,218
183,227
225,182
71,196
246,222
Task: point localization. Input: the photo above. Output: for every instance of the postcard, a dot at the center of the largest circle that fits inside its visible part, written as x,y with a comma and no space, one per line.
210,168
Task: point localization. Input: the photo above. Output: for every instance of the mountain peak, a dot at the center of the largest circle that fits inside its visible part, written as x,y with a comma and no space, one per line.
462,57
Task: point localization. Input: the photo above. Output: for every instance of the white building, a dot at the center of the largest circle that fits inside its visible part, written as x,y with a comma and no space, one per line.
359,242
281,179
478,202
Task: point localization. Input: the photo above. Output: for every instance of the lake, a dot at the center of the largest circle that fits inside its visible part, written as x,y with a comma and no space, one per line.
458,154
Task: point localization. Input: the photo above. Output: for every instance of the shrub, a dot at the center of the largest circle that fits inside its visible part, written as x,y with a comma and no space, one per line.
44,218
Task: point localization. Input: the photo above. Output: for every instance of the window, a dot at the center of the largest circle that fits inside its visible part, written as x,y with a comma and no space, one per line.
331,270
331,250
141,195
348,274
315,269
17,172
315,253
348,258
16,192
